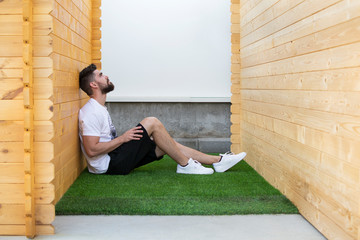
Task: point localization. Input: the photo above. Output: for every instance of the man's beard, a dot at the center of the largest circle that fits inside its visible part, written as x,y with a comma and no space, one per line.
108,88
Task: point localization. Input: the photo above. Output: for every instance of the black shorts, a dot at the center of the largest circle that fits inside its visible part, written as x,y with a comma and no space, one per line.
133,154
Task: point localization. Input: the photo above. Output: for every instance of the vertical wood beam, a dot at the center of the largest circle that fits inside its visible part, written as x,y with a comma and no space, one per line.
235,78
96,33
29,171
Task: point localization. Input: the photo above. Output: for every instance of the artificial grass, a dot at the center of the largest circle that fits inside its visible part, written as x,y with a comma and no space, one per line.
156,189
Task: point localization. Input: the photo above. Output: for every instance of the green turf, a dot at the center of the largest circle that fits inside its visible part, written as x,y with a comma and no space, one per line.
155,189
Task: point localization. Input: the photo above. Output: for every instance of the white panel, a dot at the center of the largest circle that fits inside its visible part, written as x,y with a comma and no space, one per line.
154,49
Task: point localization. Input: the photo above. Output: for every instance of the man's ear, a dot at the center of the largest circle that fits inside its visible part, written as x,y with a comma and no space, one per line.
93,84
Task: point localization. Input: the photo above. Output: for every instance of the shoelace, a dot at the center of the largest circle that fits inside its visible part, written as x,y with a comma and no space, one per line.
227,153
198,164
196,161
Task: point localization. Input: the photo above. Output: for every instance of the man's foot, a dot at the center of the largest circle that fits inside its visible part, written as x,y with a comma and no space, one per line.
228,160
194,167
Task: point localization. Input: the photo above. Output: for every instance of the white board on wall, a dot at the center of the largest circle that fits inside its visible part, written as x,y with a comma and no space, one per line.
164,50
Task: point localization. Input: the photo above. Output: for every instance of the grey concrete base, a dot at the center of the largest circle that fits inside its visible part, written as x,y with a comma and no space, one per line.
207,145
247,227
202,126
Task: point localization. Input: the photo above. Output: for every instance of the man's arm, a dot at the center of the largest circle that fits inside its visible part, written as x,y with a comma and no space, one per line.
94,148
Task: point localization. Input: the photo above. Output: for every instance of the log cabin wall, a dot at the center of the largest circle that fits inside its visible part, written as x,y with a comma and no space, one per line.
12,195
44,45
25,178
296,104
71,39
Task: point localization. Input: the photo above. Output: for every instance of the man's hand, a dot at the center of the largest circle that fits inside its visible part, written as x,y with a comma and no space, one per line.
132,134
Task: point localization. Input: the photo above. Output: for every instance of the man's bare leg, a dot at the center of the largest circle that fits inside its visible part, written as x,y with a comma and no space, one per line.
166,144
181,154
192,153
163,140
199,156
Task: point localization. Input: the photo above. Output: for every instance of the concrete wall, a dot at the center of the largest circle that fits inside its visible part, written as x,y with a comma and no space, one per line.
203,126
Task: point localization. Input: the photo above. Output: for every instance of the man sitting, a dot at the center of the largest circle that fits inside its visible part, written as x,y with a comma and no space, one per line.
108,153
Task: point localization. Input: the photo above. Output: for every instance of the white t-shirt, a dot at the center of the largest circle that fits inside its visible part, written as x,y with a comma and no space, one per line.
94,120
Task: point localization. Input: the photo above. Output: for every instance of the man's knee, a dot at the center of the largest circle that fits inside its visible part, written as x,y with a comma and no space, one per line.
151,120
151,123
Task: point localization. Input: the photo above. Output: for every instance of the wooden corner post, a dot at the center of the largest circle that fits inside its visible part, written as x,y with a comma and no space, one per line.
96,33
29,171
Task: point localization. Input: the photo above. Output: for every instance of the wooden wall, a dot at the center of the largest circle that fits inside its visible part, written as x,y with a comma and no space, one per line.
296,104
40,59
12,197
24,61
71,38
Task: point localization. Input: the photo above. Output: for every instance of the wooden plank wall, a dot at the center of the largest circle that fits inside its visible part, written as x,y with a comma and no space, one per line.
12,197
96,33
28,95
62,38
12,113
296,104
71,38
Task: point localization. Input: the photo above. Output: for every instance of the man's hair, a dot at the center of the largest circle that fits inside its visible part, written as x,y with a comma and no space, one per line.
87,76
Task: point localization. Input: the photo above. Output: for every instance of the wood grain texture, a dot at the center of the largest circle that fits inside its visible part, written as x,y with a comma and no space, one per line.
44,47
295,104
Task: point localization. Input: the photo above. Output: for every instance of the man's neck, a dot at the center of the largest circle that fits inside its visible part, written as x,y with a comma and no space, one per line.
100,98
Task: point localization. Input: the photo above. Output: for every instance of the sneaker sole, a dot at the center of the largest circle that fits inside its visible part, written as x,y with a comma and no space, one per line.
208,173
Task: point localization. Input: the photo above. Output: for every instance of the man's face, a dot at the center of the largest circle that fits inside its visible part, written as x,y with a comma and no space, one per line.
103,81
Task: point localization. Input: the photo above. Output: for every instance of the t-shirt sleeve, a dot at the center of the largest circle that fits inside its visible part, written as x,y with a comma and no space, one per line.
90,125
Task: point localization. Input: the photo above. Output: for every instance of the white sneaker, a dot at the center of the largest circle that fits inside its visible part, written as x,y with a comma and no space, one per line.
228,161
193,167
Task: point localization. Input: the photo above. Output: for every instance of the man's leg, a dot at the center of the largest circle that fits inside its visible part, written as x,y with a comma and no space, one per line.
133,154
220,164
151,124
181,154
192,153
163,140
201,157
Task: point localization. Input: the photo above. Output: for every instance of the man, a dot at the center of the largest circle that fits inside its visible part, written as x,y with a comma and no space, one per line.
107,153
